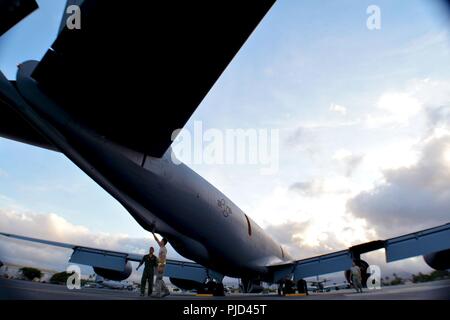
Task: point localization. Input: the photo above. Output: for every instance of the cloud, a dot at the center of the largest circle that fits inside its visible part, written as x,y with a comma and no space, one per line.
395,109
319,187
309,188
295,236
54,227
312,138
300,136
403,268
348,161
411,197
310,217
292,237
415,196
438,117
420,97
338,109
285,233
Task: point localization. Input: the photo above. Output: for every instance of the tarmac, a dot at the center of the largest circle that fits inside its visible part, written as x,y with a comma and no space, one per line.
27,290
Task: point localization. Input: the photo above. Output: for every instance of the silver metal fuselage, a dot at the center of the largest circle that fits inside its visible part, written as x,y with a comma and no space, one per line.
200,222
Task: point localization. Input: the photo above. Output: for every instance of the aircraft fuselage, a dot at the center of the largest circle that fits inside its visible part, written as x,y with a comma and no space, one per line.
200,222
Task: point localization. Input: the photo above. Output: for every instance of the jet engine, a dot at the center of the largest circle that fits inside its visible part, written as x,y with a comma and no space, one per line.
210,287
438,260
113,274
185,284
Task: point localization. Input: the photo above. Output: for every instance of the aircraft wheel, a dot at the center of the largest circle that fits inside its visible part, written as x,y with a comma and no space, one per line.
214,288
280,289
301,284
219,290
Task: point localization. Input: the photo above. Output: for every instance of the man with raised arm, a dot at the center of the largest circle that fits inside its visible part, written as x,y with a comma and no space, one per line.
160,287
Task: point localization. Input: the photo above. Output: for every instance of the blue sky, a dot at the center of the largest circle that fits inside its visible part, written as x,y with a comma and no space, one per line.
303,59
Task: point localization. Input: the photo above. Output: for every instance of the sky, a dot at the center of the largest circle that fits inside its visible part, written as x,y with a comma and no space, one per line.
364,136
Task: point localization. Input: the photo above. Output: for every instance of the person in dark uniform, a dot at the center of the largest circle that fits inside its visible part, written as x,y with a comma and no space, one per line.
302,286
151,262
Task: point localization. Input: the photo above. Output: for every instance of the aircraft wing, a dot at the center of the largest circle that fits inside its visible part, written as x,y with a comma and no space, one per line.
13,11
13,126
137,70
115,260
406,246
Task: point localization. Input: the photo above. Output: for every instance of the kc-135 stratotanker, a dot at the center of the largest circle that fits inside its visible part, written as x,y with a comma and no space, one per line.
109,98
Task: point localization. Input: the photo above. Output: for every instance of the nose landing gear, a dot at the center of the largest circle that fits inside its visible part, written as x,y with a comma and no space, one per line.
286,287
250,286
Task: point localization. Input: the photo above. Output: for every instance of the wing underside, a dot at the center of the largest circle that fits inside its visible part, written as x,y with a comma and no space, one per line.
406,246
14,127
117,261
13,11
137,70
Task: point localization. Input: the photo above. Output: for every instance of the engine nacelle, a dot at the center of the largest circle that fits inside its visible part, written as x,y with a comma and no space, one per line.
438,260
185,284
210,287
113,274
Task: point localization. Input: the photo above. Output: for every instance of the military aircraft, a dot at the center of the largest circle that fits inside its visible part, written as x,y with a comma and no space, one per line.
101,282
109,97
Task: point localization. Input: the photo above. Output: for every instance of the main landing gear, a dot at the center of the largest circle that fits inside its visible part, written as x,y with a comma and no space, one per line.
288,286
212,287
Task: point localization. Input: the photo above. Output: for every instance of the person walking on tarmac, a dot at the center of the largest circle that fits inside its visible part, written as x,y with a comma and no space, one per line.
151,262
160,287
356,277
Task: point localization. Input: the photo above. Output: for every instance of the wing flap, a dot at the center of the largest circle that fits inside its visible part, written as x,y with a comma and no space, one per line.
418,243
328,263
99,258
